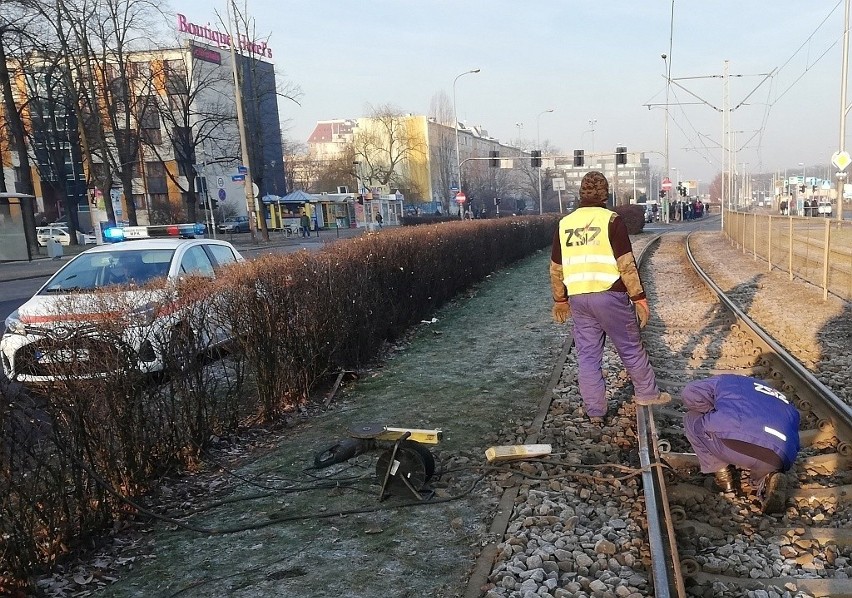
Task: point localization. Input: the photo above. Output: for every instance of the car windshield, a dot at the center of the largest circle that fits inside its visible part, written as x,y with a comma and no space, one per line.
94,270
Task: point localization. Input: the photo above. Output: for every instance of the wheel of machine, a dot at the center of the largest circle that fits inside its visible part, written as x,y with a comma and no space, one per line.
411,467
425,454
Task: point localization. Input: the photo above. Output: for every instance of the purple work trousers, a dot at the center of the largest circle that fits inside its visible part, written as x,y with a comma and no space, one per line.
714,455
596,316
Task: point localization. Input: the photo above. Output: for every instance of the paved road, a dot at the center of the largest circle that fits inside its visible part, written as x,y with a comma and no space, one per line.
20,280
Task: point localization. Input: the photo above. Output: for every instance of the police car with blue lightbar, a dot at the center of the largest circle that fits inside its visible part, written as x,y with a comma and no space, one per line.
133,278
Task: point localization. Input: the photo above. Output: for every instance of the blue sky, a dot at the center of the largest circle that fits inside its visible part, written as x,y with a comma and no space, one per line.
586,60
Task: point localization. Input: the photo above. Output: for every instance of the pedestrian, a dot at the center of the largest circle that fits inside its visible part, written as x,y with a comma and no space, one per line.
738,422
305,224
379,219
595,281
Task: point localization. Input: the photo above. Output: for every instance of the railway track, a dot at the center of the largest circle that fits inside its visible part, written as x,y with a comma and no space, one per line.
580,526
726,547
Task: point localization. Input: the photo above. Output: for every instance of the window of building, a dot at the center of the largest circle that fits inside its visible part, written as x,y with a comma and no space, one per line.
155,178
149,116
152,136
175,77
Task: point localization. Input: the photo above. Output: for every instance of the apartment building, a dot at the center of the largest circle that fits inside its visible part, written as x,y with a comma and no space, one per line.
176,118
421,152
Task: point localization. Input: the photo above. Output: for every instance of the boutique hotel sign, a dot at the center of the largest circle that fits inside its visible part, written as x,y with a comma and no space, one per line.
223,40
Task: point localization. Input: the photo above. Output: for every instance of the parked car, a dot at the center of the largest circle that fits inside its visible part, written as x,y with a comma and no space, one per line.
235,224
61,235
59,324
825,208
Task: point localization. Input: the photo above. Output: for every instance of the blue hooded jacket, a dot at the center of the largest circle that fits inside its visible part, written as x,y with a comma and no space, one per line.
745,409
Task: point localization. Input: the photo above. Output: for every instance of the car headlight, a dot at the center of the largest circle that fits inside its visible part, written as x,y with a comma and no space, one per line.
14,324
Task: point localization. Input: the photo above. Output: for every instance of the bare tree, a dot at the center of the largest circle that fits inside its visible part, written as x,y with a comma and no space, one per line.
53,137
442,161
384,146
197,115
260,93
13,20
295,163
441,109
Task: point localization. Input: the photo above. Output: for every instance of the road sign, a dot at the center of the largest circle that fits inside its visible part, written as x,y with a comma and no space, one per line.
220,181
238,178
667,184
461,197
242,169
222,195
841,160
558,184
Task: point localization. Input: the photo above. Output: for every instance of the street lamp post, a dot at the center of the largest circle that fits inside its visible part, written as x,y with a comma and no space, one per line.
592,123
456,120
538,143
520,128
844,109
666,199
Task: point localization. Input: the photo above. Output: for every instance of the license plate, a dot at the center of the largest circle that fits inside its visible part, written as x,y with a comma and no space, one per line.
63,356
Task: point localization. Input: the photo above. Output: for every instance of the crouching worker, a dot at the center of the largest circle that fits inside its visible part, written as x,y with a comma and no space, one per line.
739,422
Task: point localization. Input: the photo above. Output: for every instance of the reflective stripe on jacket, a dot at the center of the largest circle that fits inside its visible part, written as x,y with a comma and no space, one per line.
588,265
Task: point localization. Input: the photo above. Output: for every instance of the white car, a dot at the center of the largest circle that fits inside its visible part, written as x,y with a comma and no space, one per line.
57,329
824,207
60,234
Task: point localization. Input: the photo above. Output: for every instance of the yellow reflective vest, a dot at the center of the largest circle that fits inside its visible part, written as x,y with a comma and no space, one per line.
588,265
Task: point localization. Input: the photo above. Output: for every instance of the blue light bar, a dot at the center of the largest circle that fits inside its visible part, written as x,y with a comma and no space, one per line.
113,234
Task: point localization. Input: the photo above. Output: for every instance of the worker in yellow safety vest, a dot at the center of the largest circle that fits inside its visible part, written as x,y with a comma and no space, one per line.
595,281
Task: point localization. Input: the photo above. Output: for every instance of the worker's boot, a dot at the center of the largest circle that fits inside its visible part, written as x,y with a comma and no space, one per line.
727,479
774,493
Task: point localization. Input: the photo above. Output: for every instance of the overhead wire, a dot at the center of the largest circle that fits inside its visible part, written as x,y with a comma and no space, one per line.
773,77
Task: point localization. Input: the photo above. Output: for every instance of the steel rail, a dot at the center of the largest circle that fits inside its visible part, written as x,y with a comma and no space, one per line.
841,413
667,578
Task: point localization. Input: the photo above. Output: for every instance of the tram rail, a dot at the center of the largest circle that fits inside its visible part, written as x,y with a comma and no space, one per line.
826,438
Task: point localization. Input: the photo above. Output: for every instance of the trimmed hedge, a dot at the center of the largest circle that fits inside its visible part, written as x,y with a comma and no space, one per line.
69,458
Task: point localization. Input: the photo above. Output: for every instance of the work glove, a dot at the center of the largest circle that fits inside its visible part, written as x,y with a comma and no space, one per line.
561,312
643,312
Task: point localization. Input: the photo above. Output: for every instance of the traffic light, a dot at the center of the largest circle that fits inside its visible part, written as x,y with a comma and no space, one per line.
496,201
536,158
579,158
662,193
683,191
494,162
214,202
361,199
621,155
801,189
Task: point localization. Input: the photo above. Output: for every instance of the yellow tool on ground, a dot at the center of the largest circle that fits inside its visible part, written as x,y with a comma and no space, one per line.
380,432
513,452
